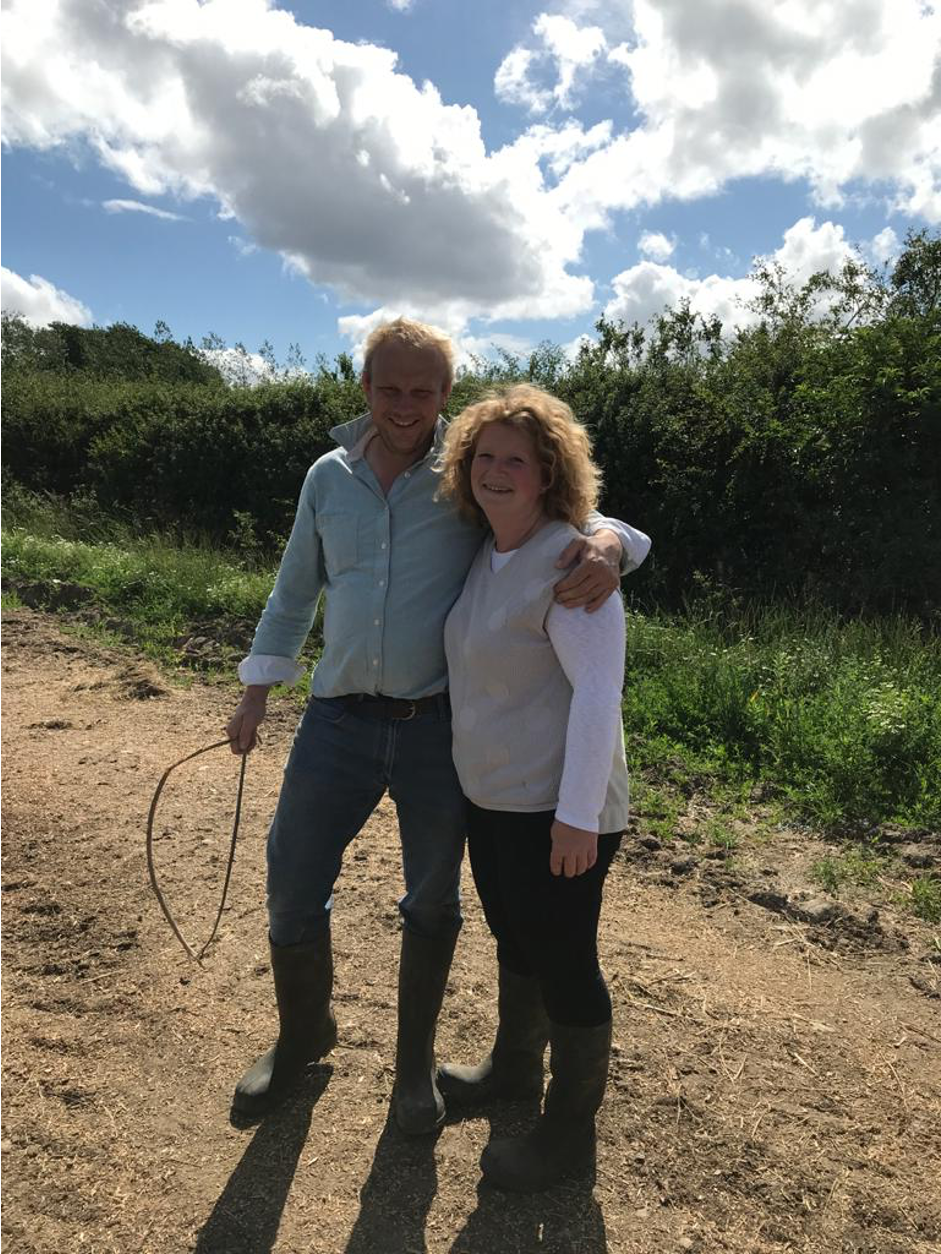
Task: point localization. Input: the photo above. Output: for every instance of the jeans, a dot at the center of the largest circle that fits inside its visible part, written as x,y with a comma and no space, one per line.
340,765
545,925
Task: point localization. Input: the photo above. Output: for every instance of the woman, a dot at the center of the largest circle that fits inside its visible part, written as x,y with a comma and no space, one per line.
538,746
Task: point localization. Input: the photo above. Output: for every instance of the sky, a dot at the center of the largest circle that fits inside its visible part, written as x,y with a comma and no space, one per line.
298,171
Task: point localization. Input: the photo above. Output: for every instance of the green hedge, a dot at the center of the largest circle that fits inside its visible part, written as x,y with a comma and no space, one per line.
800,458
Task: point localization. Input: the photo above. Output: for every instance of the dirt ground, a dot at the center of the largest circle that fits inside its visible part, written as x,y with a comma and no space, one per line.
776,1081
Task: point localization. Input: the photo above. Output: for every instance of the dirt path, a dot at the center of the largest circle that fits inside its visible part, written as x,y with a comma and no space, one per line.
776,1084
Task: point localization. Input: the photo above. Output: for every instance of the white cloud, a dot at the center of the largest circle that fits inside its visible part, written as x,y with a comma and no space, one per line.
644,290
319,148
367,183
572,348
401,6
568,51
243,247
136,206
513,81
40,301
884,247
469,347
656,245
734,88
238,366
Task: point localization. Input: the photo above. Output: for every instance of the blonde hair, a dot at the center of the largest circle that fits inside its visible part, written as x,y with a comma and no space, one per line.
563,450
415,335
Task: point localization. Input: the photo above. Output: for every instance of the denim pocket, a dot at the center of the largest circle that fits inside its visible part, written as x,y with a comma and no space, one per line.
330,709
338,534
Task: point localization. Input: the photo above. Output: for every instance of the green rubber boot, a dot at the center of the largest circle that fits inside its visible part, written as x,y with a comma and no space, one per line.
513,1069
563,1141
303,982
423,974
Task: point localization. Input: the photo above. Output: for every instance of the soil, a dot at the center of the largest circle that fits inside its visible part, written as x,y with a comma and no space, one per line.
775,1084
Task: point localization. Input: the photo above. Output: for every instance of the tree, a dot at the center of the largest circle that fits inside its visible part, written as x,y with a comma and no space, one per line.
916,279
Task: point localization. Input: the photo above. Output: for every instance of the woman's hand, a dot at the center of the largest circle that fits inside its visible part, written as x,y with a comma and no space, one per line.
573,850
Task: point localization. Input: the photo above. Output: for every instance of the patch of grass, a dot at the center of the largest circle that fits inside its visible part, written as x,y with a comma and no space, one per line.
659,806
925,899
839,721
720,834
155,581
10,601
858,866
842,718
826,872
160,584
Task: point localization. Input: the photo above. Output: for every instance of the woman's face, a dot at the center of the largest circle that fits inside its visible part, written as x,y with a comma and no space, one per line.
506,477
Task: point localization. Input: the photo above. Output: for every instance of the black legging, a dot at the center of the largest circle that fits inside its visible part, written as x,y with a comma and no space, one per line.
545,925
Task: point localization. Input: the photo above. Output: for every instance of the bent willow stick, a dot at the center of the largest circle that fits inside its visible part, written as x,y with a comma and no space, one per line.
197,957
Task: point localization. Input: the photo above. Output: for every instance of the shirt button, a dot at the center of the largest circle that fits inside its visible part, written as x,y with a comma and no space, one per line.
375,661
376,622
383,545
382,583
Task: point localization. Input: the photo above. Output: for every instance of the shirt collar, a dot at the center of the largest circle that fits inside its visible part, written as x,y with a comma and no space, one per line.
354,436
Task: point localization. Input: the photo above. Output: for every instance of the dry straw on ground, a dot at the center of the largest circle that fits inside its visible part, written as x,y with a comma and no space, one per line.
776,1084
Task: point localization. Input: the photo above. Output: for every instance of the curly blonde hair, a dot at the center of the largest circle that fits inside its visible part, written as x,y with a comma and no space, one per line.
563,450
415,335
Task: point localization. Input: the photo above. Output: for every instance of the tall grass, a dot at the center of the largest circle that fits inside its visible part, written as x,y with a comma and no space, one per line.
161,582
842,718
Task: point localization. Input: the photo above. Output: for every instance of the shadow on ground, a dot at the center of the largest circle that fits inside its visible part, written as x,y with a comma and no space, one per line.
247,1215
403,1181
564,1220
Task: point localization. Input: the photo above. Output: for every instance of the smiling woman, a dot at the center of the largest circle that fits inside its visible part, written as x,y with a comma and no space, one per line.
539,750
547,433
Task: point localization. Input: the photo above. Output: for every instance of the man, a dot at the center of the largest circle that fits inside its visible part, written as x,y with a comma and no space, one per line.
390,560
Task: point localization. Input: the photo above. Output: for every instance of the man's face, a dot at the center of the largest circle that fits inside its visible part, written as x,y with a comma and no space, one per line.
406,391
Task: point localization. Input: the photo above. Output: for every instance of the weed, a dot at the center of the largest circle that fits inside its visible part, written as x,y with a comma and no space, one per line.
720,834
926,898
858,866
826,872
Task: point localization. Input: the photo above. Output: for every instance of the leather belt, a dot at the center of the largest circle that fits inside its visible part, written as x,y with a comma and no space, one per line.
399,708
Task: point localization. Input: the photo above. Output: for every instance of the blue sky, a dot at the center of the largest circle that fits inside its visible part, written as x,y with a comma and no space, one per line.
298,171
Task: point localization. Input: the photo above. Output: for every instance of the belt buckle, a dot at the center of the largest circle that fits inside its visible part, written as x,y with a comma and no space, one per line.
413,710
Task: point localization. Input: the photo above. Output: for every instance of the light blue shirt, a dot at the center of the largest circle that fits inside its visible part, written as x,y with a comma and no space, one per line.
390,568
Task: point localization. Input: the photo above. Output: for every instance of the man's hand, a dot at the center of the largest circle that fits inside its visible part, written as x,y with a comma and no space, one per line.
573,850
242,727
597,574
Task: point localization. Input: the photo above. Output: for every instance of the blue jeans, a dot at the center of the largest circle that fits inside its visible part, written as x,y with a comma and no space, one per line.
340,765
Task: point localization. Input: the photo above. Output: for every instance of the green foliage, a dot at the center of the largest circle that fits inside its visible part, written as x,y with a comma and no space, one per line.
859,866
839,720
181,456
843,718
800,457
926,898
116,352
797,459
